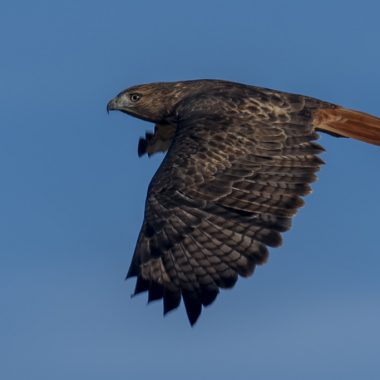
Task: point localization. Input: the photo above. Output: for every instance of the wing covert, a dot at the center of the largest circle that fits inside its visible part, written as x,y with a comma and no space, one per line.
233,177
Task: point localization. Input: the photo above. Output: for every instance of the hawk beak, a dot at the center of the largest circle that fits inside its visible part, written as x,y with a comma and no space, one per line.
112,105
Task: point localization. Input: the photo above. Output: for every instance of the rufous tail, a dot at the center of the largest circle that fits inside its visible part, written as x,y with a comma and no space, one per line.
348,123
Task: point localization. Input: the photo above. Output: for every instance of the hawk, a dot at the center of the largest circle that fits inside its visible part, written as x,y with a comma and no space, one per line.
239,160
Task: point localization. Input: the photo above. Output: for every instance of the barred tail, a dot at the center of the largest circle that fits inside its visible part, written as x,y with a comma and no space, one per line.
348,123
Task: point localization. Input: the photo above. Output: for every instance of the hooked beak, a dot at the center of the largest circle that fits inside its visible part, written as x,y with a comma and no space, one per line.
113,104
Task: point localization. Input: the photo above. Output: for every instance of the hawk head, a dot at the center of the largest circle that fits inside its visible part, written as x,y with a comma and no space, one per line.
151,102
155,102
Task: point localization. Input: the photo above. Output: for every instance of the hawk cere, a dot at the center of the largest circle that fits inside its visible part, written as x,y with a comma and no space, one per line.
239,160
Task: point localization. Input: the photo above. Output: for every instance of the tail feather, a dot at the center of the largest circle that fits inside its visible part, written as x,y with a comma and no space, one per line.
348,123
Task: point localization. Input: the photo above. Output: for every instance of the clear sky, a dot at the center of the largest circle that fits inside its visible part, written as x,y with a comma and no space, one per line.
73,189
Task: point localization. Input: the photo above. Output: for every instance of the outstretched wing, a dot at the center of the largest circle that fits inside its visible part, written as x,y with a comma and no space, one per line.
231,181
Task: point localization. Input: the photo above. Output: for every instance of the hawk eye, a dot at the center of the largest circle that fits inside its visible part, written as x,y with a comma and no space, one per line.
134,97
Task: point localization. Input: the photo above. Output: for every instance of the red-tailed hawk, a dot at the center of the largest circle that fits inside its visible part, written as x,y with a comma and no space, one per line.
240,158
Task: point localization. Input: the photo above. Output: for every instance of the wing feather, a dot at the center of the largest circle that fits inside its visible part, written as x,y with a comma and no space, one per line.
229,185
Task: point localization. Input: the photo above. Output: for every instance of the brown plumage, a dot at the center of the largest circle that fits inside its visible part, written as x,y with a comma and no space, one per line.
240,158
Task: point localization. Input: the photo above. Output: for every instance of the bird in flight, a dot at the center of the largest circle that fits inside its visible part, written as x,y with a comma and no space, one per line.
239,160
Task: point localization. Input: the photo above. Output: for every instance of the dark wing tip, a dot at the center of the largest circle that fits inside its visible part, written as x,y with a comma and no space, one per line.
141,285
133,270
228,282
141,149
208,296
193,306
156,291
172,299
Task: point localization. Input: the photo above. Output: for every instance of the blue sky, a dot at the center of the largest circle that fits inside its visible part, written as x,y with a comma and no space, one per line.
73,191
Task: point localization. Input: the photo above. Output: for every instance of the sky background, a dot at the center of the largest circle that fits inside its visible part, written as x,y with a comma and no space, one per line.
73,189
